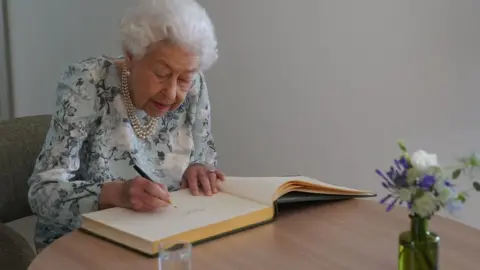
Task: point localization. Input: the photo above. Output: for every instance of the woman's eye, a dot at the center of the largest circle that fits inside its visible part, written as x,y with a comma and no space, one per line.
185,82
185,78
162,75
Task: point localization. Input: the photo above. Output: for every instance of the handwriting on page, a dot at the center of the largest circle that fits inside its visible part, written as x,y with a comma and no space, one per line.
193,211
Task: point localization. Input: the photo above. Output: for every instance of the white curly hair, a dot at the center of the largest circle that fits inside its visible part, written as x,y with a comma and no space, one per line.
182,22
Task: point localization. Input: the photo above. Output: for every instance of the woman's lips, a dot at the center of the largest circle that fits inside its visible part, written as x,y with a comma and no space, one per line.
160,106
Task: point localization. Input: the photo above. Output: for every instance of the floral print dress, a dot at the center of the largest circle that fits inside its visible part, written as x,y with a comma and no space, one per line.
91,141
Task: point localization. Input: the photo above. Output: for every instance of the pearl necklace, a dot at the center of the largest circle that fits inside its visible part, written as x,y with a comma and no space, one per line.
142,131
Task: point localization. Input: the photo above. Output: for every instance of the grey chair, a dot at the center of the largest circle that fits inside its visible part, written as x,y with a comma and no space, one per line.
21,140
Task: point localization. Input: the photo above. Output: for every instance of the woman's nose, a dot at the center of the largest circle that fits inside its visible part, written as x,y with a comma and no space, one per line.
170,91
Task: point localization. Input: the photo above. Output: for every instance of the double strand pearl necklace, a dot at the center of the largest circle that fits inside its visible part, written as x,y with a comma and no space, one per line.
142,131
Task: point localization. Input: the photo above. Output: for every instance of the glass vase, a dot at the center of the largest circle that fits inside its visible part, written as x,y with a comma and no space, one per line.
418,247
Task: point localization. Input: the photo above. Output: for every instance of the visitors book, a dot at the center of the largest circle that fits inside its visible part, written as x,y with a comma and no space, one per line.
243,203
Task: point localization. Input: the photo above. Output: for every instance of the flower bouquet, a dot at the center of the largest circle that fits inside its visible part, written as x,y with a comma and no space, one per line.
418,182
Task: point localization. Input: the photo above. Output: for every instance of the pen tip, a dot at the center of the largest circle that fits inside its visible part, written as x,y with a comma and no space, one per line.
172,204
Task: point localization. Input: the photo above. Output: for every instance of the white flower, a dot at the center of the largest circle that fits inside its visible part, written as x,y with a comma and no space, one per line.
422,160
425,205
444,194
440,184
405,194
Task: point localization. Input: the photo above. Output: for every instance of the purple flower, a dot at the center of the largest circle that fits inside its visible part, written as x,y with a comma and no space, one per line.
427,182
410,204
394,179
453,205
403,163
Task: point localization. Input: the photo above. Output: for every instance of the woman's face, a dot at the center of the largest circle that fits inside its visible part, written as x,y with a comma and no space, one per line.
160,80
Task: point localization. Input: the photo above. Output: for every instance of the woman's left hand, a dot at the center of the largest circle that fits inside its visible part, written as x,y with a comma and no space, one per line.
198,177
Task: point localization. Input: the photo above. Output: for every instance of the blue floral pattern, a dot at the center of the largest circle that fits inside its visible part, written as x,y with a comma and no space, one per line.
91,141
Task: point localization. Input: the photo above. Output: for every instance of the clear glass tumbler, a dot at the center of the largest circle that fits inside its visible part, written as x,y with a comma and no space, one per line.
175,256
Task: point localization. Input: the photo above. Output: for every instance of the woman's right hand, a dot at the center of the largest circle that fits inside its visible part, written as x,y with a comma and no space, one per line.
138,194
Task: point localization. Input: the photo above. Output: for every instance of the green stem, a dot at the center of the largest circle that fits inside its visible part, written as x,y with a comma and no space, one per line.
418,246
419,229
423,257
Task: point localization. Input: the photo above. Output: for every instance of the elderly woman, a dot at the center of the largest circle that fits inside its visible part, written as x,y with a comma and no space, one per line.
148,108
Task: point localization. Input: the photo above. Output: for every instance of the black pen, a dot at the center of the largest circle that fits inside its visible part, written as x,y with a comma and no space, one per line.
144,175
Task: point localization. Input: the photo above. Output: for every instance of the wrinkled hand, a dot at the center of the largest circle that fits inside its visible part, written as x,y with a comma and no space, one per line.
198,178
141,194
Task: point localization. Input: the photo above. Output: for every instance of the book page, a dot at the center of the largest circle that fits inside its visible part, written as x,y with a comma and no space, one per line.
264,189
260,189
192,212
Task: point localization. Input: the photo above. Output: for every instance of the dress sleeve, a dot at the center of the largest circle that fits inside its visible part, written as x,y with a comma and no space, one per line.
55,193
204,146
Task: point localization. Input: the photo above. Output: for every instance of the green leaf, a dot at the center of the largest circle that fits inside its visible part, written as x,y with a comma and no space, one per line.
435,170
411,175
418,194
462,197
474,162
456,173
476,186
401,144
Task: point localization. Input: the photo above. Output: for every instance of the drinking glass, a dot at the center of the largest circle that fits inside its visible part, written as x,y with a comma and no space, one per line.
175,256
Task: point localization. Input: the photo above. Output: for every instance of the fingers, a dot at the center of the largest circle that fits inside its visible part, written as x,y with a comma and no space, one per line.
184,183
205,181
138,204
220,175
192,181
156,190
136,201
151,202
163,187
199,177
145,195
212,177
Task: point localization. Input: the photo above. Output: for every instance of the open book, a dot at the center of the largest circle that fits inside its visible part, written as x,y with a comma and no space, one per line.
244,202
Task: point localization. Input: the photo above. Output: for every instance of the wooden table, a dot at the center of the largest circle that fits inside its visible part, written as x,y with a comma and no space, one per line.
355,234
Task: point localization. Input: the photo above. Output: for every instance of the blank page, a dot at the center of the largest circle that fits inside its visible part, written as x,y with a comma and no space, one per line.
192,212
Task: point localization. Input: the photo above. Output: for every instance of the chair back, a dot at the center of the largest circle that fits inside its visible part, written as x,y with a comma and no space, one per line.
21,140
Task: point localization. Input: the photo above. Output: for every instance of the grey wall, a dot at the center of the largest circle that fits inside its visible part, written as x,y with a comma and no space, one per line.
326,88
47,35
316,87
